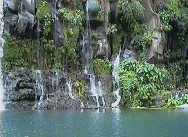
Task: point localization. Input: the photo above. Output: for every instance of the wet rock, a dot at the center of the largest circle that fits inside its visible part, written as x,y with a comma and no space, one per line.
104,101
103,48
20,17
22,90
129,54
61,101
25,21
106,83
58,33
29,5
19,86
20,105
12,5
10,23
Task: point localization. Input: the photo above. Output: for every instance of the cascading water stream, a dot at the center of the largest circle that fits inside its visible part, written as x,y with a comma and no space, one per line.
39,87
69,87
2,105
56,81
101,92
94,89
115,75
88,56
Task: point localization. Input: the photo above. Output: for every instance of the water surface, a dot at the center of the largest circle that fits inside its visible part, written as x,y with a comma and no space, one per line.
94,124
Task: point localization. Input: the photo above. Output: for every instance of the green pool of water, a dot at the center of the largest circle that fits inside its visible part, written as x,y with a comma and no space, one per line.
113,123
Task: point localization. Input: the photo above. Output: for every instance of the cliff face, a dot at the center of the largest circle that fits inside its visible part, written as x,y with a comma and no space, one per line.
66,54
69,42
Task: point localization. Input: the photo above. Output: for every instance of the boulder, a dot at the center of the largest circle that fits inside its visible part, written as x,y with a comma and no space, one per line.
12,5
92,7
25,20
29,5
103,48
11,22
58,33
129,54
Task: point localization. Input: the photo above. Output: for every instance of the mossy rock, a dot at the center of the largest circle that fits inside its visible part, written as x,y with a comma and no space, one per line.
102,67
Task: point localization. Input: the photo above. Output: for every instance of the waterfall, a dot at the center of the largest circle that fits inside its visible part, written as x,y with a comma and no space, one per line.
94,89
87,52
101,92
8,86
40,87
69,87
55,80
115,75
2,105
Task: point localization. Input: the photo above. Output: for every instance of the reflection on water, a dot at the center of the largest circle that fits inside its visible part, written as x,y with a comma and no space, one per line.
99,123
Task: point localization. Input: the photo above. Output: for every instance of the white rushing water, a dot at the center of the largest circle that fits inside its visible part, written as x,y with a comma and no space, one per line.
87,51
115,74
94,89
69,86
39,87
55,81
2,105
101,92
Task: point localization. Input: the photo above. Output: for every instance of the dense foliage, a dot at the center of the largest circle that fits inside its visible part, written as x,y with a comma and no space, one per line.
102,67
44,16
72,17
19,54
142,82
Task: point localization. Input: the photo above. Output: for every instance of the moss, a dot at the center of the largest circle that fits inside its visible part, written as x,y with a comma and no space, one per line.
70,47
72,20
22,53
72,17
116,44
49,54
80,88
44,15
102,67
142,82
19,53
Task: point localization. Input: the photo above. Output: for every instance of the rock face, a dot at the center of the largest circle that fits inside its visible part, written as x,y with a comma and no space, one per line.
92,7
25,91
20,92
20,16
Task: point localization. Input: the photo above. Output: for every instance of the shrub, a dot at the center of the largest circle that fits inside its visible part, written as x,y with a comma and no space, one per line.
141,82
130,10
170,13
72,17
80,87
174,102
102,67
45,18
19,53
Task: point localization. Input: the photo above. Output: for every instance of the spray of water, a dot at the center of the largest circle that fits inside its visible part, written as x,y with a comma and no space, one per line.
40,87
115,74
69,85
101,93
94,89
